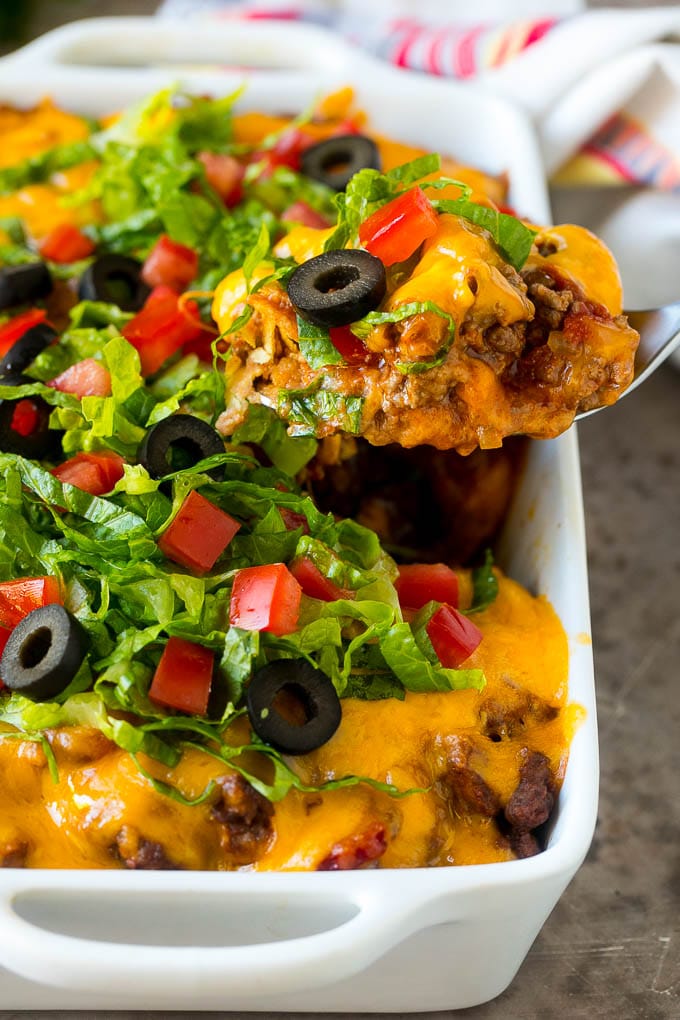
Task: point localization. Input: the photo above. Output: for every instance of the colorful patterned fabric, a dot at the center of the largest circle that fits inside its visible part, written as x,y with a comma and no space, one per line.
455,50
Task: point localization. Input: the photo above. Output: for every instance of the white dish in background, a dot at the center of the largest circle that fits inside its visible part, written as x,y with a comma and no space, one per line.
403,940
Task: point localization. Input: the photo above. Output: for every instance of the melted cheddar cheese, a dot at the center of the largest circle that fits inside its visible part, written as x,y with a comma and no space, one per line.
26,133
41,207
102,802
460,268
584,258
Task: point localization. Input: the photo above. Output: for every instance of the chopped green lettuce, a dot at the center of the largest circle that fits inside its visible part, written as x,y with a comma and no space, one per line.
363,327
307,409
484,585
513,239
316,346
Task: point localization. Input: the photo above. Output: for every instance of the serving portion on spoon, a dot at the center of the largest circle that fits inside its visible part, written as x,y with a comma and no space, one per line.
659,330
424,321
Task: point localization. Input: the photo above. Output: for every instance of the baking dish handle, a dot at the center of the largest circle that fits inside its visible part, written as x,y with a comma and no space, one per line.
360,926
144,53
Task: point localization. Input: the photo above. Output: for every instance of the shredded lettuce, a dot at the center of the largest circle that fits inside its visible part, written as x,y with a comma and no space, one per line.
484,585
416,671
408,173
129,600
513,239
307,409
363,327
263,427
284,187
368,190
40,167
316,346
150,179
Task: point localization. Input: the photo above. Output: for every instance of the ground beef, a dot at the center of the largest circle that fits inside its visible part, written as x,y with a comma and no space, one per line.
531,803
523,844
140,854
509,718
246,816
420,337
78,744
13,854
467,788
506,339
551,295
546,299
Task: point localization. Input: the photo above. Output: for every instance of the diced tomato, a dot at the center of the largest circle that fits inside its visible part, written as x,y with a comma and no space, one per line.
202,347
393,232
357,850
420,583
161,328
183,677
315,584
454,637
170,264
160,296
66,244
13,330
353,350
87,378
286,151
300,212
225,174
348,126
80,473
198,534
20,597
292,521
95,473
25,417
265,598
111,466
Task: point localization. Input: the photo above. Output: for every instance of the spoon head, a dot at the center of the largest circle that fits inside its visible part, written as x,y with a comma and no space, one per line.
659,330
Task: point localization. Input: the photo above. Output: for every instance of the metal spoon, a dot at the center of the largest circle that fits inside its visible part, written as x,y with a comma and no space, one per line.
659,330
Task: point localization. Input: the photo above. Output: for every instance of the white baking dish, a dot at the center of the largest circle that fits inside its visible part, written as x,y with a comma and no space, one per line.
423,939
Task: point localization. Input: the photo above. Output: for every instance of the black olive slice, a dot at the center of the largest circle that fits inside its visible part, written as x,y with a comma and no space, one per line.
309,694
43,653
334,161
26,349
28,282
116,280
338,287
36,441
179,442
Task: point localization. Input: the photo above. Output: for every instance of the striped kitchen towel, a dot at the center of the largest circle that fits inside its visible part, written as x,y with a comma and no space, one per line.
601,85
